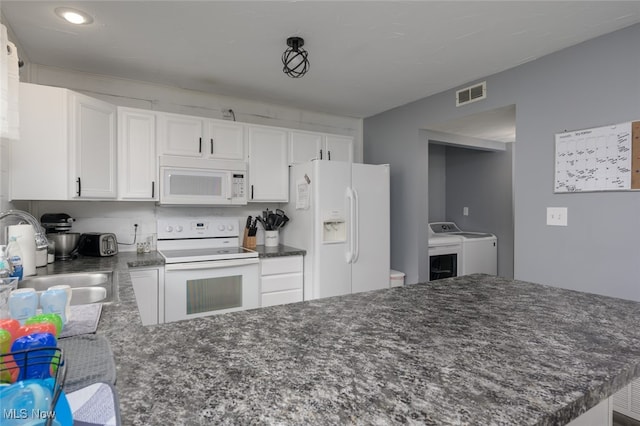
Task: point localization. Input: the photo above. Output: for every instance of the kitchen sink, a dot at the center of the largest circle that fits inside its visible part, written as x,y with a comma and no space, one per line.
86,287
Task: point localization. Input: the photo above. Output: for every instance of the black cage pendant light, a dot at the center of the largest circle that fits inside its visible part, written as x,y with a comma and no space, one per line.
295,58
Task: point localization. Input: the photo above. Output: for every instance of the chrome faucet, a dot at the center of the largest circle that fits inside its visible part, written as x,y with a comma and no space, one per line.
41,239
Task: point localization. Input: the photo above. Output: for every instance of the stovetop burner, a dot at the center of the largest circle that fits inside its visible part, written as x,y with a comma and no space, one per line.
182,240
206,254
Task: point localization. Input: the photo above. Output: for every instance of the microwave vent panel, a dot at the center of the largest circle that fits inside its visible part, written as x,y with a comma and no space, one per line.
471,94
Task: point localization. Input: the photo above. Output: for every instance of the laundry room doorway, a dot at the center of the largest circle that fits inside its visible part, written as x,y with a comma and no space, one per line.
470,177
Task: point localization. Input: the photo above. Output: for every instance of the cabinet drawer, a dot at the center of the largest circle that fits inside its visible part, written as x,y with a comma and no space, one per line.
282,282
281,265
281,297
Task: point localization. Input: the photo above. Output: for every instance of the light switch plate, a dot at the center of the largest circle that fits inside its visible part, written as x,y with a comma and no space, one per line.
557,216
465,211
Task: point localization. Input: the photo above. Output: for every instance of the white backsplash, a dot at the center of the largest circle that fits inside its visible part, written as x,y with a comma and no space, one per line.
120,217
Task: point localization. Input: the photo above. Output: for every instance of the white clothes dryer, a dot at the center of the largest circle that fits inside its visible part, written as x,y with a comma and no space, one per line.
479,249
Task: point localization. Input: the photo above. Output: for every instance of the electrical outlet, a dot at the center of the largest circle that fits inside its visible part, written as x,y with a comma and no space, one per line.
557,216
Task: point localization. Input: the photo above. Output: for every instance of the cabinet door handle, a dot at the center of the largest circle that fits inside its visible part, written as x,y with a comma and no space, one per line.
211,145
153,189
252,192
321,154
79,186
329,155
200,146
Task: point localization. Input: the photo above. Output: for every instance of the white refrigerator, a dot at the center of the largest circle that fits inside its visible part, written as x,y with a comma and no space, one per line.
340,214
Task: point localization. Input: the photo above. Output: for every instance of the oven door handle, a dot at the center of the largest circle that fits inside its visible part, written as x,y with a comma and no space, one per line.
214,264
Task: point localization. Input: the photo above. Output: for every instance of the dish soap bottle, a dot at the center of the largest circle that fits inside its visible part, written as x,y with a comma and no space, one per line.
14,255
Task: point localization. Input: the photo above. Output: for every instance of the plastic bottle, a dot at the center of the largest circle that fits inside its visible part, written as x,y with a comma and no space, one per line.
54,301
14,255
5,267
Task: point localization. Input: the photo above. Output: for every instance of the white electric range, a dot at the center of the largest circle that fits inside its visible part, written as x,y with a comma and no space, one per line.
207,271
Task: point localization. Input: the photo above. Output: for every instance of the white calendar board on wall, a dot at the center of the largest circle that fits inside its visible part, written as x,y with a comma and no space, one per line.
597,159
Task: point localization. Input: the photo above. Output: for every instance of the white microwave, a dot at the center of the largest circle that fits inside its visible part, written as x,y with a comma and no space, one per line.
195,181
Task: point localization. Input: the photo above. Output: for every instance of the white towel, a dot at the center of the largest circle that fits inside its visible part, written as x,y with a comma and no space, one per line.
94,405
9,82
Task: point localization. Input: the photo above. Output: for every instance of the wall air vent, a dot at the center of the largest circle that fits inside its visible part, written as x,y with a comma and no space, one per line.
471,94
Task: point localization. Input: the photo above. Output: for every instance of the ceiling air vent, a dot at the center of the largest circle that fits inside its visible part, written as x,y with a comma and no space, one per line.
471,94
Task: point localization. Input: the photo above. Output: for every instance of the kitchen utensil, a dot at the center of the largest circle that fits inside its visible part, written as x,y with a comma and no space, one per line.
284,221
32,398
7,285
54,301
23,303
66,243
28,397
247,226
50,318
29,369
42,327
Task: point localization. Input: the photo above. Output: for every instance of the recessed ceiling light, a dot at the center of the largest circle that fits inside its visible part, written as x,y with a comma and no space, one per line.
74,16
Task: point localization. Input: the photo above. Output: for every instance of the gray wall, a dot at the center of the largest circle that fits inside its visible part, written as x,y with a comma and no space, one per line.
481,181
437,183
588,85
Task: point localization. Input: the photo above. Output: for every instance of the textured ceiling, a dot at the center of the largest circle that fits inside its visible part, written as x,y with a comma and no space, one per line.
366,57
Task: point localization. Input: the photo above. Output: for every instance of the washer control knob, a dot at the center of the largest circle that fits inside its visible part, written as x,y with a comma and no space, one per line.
221,227
179,228
230,227
169,228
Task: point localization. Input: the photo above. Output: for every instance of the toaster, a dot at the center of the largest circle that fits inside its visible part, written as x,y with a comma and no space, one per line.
98,244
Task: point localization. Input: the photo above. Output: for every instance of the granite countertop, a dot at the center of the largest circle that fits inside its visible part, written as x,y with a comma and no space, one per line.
279,251
469,350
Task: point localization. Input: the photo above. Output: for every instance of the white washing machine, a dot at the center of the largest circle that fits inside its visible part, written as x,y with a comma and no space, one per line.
479,249
445,254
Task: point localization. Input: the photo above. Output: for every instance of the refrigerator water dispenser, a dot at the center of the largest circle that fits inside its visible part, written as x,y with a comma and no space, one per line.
334,231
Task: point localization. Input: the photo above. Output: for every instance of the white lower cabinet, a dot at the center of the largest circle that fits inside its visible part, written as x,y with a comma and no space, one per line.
600,415
281,280
627,400
148,286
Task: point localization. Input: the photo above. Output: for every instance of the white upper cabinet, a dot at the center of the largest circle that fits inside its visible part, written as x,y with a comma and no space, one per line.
339,148
67,146
307,146
93,139
189,136
268,168
137,160
226,140
180,135
304,146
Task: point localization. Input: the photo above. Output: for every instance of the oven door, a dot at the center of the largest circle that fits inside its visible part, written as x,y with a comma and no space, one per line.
198,289
444,260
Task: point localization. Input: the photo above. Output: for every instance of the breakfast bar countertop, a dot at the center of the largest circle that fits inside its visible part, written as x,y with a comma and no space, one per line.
470,350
